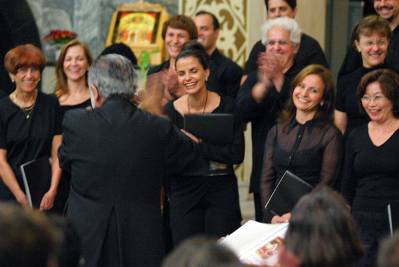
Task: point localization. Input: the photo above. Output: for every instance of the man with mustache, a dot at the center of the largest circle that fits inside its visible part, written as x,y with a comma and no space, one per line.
389,10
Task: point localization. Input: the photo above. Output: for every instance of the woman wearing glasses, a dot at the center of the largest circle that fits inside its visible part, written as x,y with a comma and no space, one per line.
29,125
371,40
371,175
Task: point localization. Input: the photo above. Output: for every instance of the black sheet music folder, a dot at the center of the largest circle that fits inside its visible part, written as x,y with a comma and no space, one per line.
289,189
217,128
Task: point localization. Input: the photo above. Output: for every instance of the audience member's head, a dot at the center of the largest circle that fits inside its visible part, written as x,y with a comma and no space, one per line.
280,8
120,49
388,255
322,232
27,239
201,252
111,75
70,247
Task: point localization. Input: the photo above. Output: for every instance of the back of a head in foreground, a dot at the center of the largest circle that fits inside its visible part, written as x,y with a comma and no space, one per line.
201,251
322,231
27,239
388,254
113,74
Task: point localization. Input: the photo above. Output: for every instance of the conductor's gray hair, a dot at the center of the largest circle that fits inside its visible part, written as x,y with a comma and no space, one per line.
285,23
113,74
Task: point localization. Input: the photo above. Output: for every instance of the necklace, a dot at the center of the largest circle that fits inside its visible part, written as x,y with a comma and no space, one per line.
26,110
203,109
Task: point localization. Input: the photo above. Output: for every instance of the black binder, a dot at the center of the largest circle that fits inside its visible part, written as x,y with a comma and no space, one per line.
36,175
290,188
217,128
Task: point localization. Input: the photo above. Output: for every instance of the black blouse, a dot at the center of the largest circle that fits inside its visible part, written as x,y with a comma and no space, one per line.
371,174
27,139
262,116
318,157
65,108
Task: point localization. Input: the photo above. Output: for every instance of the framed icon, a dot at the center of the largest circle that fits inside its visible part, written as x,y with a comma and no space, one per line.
139,25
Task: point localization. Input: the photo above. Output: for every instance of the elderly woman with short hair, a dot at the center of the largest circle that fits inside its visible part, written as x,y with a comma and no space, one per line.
29,125
265,92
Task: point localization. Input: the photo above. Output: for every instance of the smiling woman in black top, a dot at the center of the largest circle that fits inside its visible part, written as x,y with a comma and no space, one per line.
305,141
371,40
29,126
206,201
371,175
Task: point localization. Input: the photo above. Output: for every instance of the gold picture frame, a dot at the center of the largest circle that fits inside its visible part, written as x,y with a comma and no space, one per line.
139,25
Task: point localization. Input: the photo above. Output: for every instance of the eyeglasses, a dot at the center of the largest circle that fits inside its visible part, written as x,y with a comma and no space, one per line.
381,42
24,70
368,99
279,42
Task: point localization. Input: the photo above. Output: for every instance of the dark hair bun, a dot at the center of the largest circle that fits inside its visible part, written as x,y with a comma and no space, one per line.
195,49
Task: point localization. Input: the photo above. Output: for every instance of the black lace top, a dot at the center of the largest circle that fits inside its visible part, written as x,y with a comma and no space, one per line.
317,159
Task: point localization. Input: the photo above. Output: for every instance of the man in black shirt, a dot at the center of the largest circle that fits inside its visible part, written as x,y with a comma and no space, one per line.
309,51
389,10
265,92
225,75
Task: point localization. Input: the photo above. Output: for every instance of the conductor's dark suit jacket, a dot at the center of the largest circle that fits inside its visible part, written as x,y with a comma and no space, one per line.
118,157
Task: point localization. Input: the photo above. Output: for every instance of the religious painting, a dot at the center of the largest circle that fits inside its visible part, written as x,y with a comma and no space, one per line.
139,26
136,28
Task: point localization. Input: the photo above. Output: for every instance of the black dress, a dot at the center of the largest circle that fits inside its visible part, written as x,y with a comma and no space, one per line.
346,97
318,157
26,139
370,182
262,116
207,204
63,187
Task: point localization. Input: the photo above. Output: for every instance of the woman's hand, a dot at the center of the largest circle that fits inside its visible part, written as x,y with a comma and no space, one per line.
48,200
191,136
22,199
281,219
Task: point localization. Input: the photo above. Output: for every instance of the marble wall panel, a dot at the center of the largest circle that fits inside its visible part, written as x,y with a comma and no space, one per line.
88,18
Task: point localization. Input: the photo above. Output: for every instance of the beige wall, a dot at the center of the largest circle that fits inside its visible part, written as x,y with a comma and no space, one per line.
311,17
